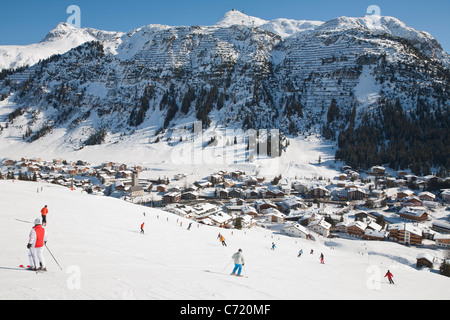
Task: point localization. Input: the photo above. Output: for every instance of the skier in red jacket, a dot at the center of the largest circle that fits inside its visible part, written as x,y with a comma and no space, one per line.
389,275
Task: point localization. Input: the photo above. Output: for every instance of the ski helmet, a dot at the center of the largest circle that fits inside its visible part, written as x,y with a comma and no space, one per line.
37,222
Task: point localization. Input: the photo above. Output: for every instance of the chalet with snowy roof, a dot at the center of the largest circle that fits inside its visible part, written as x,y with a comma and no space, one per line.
404,193
441,226
418,214
412,202
299,187
307,218
249,210
442,240
293,203
427,196
236,193
356,229
377,171
296,230
264,204
321,227
171,197
274,215
319,192
445,195
222,194
405,233
221,219
357,194
424,260
377,235
190,195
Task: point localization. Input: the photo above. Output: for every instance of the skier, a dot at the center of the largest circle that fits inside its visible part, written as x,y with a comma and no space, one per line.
312,251
189,227
300,253
44,213
238,263
142,227
321,258
273,246
222,239
389,275
36,242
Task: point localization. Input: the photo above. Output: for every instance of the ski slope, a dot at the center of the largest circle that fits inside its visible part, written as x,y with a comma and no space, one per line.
96,241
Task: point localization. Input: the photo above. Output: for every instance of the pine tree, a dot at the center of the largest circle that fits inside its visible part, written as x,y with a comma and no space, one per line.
444,269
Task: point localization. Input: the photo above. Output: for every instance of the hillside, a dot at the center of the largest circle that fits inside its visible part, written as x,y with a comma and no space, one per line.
97,238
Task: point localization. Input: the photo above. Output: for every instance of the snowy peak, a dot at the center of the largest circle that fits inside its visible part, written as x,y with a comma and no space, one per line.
282,27
61,31
235,17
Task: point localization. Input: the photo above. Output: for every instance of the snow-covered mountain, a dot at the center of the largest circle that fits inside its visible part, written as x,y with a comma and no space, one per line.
243,72
58,41
96,242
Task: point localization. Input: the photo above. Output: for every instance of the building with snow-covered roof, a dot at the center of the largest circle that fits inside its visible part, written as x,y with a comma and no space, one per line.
442,240
405,233
297,230
321,227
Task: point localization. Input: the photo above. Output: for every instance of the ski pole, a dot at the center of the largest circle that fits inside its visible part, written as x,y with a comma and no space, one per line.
53,256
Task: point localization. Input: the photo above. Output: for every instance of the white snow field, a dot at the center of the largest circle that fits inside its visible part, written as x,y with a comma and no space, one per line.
103,256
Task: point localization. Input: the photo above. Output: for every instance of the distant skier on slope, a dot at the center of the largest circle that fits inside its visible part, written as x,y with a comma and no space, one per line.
239,261
322,259
389,275
300,253
142,227
273,246
36,242
44,212
222,239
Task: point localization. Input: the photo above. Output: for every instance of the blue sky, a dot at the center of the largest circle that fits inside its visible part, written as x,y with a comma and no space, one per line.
28,21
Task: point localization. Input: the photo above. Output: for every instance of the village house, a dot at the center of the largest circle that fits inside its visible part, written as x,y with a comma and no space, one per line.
427,196
274,215
371,234
296,230
442,240
221,219
356,229
357,194
299,187
441,226
424,259
190,195
414,213
412,202
319,192
404,193
445,195
405,233
236,193
263,204
171,197
321,227
249,210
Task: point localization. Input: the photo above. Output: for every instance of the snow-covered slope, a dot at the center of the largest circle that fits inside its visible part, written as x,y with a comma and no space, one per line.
96,241
58,41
